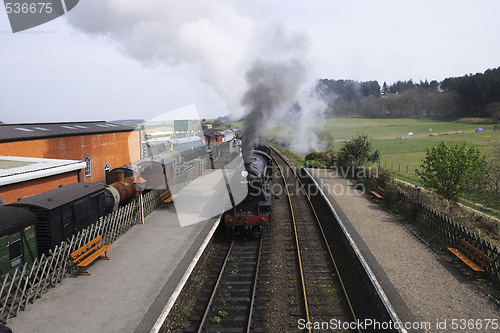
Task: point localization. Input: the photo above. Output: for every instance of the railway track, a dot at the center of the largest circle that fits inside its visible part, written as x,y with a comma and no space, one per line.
231,302
307,273
322,294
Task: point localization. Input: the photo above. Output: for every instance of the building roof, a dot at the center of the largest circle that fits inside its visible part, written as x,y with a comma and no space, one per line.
33,131
60,196
15,169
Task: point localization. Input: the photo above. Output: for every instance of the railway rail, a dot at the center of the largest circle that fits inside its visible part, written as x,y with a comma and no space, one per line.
231,302
324,297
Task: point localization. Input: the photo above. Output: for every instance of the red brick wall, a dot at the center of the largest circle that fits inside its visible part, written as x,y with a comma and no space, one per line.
117,149
10,193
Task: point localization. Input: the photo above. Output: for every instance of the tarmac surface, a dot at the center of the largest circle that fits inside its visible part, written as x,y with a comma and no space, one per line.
127,293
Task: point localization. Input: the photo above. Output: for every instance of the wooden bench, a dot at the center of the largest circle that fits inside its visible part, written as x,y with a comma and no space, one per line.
166,197
472,257
379,192
89,252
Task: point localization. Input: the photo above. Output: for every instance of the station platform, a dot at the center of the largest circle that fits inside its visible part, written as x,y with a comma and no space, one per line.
426,291
127,293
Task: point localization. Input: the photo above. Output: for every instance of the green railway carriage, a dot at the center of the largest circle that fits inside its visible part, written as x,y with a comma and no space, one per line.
17,238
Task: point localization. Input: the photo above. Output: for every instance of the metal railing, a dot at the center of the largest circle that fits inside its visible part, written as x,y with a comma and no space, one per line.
30,281
435,224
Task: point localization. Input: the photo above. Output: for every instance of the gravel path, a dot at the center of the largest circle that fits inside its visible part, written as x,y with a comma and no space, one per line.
435,290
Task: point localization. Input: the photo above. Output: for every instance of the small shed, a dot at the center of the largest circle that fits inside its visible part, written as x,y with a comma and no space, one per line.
210,138
219,136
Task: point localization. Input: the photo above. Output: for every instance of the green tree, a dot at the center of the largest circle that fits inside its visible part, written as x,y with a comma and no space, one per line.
216,123
327,138
452,170
358,152
385,89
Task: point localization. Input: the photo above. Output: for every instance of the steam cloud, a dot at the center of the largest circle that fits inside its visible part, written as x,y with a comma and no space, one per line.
217,40
311,121
208,39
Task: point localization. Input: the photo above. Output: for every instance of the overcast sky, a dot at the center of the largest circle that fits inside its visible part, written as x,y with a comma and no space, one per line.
120,59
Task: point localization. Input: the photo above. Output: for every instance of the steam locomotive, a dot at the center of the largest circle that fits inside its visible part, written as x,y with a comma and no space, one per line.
251,215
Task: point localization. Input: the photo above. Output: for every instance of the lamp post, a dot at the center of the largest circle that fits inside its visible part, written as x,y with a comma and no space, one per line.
140,186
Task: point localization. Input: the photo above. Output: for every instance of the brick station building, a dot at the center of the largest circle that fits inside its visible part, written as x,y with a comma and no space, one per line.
101,145
22,177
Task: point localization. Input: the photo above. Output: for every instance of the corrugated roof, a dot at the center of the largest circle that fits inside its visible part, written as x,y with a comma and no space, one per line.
17,132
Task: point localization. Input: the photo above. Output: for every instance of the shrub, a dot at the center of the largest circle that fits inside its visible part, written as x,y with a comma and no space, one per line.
319,159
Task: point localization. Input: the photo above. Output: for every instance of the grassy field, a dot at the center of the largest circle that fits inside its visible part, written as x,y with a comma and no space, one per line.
398,151
403,153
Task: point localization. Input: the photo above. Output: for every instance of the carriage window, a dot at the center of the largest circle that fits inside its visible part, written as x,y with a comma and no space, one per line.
15,252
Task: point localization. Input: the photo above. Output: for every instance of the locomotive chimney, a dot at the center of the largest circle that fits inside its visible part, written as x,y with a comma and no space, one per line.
119,176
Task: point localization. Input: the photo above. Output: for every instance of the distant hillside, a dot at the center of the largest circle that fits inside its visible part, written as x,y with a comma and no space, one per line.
473,95
129,122
224,118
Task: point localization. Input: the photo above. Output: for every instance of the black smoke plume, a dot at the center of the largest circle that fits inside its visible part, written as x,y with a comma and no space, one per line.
271,86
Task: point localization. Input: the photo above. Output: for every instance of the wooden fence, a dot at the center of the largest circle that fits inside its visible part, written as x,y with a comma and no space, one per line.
435,224
30,281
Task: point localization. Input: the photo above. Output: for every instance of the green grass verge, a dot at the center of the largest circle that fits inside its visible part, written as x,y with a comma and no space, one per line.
295,160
